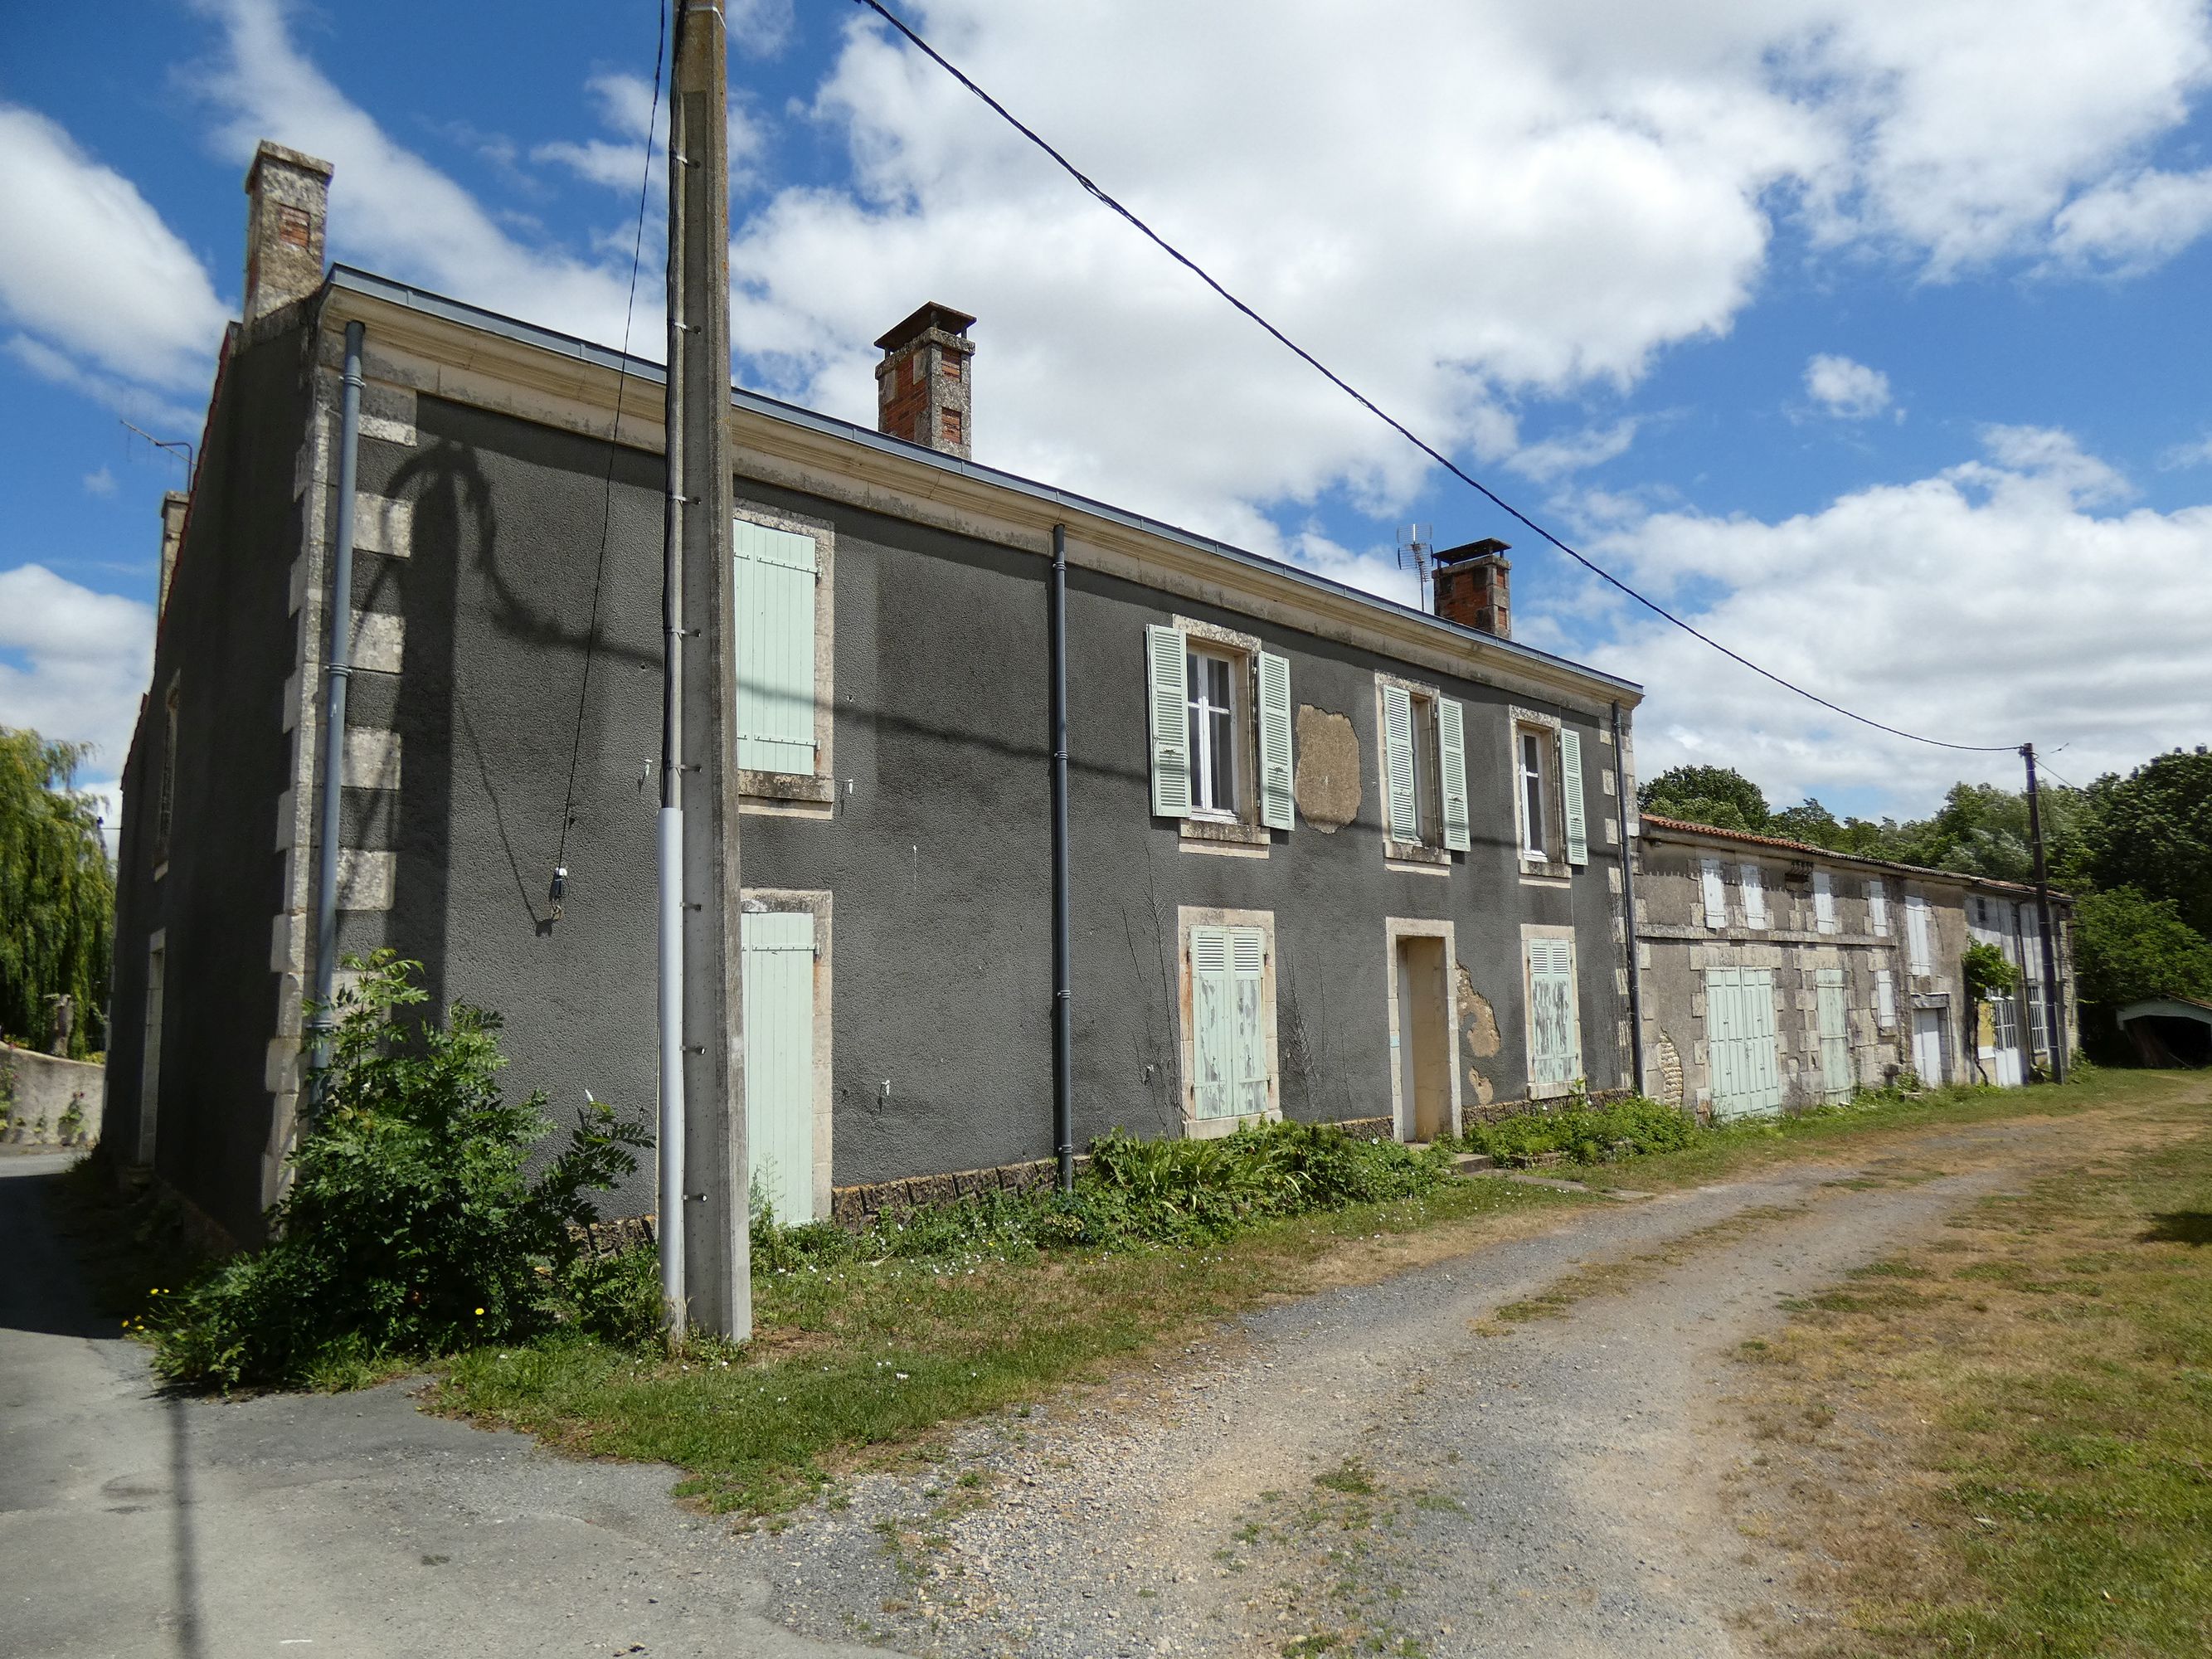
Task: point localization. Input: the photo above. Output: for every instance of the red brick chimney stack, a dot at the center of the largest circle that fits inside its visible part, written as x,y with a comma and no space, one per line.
1474,586
923,383
289,199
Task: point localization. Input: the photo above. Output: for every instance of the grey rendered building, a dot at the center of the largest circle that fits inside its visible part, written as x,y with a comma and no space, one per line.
1777,976
1334,859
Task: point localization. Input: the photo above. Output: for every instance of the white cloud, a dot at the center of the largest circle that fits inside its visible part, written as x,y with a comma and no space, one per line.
2198,453
135,402
389,207
760,28
72,663
1611,192
1987,605
90,271
2133,224
102,483
1575,452
1849,390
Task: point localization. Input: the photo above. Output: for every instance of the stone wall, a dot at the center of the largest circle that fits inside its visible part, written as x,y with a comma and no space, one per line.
44,1088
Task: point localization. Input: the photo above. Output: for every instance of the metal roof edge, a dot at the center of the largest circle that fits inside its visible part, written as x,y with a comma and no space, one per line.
394,291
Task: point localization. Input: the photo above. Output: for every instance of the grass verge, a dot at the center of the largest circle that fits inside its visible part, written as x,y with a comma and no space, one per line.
856,1362
1996,1444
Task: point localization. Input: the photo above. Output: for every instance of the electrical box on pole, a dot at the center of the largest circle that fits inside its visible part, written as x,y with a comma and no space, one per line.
707,1269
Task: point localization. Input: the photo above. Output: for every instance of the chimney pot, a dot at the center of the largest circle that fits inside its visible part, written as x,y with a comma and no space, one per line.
288,200
1474,586
922,385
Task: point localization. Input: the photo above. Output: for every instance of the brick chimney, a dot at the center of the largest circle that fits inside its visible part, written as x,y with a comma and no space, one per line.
922,385
289,197
174,505
1474,586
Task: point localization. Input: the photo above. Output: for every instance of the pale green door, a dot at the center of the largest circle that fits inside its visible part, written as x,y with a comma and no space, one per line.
1835,1046
1740,1042
779,990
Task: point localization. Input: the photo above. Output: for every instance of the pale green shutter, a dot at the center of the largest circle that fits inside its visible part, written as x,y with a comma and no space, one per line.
1835,1043
1554,1037
779,995
1247,958
1765,1066
776,572
1275,804
1571,794
1724,1045
1451,773
1213,1022
1401,812
1167,672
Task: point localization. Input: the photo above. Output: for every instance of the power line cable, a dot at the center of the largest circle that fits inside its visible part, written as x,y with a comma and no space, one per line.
1387,418
614,449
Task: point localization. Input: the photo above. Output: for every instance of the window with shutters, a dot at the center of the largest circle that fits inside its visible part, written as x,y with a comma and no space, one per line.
1555,1048
1755,894
1878,907
1919,955
1885,999
1220,734
1423,761
1551,827
1712,891
782,566
1228,1006
1824,903
165,806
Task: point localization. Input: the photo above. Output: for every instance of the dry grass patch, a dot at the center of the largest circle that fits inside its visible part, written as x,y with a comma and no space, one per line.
1625,1274
1996,1443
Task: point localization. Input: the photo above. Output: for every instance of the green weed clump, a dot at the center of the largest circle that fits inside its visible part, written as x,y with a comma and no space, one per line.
1585,1135
1130,1192
409,1228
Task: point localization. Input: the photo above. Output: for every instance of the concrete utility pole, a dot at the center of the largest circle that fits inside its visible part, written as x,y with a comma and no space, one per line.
2054,1009
706,1256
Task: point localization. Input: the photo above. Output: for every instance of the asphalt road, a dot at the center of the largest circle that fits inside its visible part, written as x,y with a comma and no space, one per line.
135,1523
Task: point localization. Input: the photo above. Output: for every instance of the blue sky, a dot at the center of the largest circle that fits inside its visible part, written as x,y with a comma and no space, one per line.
1869,334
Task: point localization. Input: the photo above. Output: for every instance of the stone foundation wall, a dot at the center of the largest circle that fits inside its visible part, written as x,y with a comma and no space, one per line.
43,1089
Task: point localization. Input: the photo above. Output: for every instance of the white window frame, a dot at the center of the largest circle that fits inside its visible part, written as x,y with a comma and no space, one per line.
802,795
1533,792
1242,829
1190,916
1431,847
1543,849
1201,710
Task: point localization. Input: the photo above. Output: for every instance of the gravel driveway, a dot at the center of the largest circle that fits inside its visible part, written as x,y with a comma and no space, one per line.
1395,1462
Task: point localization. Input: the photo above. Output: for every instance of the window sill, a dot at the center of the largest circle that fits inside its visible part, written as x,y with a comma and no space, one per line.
1216,1129
1224,832
757,789
1414,851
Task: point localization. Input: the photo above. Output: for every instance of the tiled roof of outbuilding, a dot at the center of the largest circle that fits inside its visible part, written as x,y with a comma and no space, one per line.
1809,850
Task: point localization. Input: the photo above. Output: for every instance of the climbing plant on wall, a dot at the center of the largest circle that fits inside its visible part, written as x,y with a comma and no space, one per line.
57,895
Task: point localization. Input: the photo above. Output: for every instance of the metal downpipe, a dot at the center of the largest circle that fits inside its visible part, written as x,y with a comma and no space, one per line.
1063,994
1628,905
337,670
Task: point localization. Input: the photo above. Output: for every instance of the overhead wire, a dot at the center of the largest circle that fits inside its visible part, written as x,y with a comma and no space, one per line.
607,497
1391,420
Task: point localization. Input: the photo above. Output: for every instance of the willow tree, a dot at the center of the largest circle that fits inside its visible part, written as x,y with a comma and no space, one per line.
57,895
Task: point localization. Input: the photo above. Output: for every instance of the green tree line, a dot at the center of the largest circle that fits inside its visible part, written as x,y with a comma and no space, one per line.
57,895
2134,852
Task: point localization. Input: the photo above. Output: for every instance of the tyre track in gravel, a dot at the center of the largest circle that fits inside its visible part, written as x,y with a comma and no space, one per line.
1549,1487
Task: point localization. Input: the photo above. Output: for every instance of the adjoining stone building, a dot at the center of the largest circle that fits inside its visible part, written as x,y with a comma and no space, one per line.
1777,976
1334,858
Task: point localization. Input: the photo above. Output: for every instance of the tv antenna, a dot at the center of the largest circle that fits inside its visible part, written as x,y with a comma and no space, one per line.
1417,549
175,447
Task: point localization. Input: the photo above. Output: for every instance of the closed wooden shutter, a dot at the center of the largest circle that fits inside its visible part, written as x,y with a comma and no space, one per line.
1402,809
1715,892
1744,1065
1878,907
1167,675
1754,895
776,572
1917,952
1554,1033
1824,902
1885,999
1248,960
1212,1024
1835,1042
1451,774
1571,796
1765,1064
1276,809
779,997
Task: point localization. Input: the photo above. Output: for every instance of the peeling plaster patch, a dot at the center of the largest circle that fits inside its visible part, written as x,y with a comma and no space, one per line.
1326,783
1476,1018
